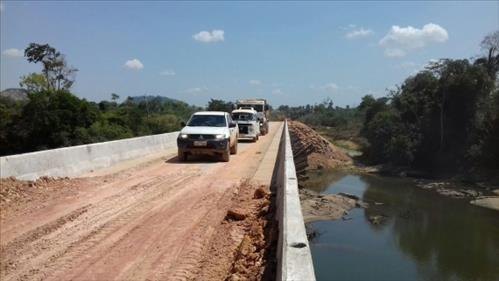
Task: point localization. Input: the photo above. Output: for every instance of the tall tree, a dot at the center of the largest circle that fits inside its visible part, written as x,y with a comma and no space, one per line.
220,105
490,44
58,74
115,97
34,82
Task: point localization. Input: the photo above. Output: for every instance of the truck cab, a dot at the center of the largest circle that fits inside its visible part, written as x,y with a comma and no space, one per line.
248,123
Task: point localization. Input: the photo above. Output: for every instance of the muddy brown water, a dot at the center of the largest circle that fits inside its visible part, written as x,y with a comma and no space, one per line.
422,235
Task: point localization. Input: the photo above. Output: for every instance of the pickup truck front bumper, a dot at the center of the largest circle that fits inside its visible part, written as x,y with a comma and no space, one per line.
208,147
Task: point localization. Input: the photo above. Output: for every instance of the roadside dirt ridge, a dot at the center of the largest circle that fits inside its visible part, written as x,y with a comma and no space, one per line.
311,151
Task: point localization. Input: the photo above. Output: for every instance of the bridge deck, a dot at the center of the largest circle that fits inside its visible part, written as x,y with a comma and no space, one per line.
142,221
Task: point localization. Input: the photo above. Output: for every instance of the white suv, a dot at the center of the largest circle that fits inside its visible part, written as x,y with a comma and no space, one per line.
247,121
208,132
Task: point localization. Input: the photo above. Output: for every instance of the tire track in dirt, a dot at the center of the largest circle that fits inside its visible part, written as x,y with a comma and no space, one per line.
76,234
108,234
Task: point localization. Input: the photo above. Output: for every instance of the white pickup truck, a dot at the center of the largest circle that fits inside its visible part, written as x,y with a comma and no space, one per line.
208,132
247,121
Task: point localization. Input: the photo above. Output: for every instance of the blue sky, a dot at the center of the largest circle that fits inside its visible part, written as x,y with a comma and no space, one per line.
288,52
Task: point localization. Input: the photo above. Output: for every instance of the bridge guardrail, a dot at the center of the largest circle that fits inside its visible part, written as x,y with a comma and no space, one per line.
294,259
75,160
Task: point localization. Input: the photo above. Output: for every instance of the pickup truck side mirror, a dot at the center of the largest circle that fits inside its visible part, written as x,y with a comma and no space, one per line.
182,124
232,124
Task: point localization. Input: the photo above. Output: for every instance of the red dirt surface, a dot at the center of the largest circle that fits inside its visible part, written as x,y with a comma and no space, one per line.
311,151
243,247
157,221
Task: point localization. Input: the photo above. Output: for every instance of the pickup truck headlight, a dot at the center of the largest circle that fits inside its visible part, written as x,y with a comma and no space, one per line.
220,136
183,136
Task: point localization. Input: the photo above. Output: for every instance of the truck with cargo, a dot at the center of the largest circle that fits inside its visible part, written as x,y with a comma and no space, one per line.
261,106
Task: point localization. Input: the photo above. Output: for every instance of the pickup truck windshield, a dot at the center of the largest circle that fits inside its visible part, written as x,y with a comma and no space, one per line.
207,121
243,116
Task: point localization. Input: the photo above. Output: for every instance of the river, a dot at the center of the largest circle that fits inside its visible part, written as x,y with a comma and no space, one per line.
423,235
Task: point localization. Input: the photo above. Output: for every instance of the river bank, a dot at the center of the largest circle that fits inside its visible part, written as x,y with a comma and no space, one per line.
314,153
403,221
483,192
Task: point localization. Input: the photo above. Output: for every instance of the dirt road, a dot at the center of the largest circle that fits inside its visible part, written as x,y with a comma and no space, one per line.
153,221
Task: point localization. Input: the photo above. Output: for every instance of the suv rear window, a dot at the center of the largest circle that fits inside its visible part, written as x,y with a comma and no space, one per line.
207,121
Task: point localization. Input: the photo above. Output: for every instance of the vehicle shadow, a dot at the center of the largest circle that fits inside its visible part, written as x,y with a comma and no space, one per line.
203,159
245,141
194,159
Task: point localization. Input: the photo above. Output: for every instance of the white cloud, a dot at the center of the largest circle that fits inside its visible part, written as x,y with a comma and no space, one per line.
167,72
277,92
359,33
134,64
13,53
400,40
209,37
255,82
331,87
348,27
196,90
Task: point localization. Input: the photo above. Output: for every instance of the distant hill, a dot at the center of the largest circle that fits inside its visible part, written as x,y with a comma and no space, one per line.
15,94
139,99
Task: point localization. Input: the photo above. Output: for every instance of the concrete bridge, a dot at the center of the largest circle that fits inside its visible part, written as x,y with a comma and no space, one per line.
140,214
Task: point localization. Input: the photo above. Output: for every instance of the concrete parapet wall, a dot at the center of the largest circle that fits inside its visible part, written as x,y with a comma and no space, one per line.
75,160
294,259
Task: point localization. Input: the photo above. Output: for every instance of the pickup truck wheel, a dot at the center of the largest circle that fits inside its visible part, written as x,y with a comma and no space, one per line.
233,149
182,156
226,156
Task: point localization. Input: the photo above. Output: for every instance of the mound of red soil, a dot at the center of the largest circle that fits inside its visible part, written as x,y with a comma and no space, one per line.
313,152
16,195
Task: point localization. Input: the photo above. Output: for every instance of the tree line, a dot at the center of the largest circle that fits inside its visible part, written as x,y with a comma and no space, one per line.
53,117
444,118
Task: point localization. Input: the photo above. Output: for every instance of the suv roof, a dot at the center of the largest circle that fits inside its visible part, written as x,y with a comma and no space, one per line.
210,113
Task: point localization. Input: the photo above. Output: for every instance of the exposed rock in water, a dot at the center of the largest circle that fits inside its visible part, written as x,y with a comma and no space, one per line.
361,204
317,207
491,202
447,189
352,196
377,219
